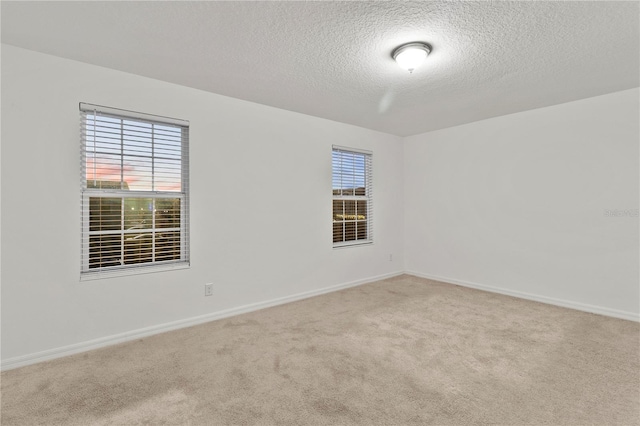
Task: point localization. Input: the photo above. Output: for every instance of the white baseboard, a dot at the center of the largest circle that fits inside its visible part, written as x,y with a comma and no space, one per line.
21,361
537,298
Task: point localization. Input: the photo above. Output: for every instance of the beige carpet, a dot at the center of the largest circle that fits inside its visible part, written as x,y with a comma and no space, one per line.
396,352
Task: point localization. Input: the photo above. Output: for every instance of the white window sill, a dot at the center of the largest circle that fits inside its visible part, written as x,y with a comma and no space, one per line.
133,270
352,244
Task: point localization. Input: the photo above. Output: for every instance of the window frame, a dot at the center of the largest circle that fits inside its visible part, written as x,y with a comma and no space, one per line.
88,193
368,197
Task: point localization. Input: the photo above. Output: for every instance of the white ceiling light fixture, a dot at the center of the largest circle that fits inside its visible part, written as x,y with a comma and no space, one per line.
411,55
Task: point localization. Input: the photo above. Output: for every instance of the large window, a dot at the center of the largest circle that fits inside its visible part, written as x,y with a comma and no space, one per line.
352,197
135,195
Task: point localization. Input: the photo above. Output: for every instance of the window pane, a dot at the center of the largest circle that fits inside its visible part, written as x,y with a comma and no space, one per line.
361,230
338,232
168,174
105,214
168,246
361,212
103,152
103,172
167,213
138,213
349,210
138,248
104,250
338,210
349,231
138,173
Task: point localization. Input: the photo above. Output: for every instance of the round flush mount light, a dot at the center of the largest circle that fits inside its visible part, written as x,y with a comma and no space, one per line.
411,55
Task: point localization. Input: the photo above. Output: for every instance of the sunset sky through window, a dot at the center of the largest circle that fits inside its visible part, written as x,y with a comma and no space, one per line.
147,156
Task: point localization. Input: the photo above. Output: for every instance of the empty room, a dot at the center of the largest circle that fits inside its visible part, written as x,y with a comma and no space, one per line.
320,213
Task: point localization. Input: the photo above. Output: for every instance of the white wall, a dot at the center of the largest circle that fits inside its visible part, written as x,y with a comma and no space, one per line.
513,204
517,204
260,207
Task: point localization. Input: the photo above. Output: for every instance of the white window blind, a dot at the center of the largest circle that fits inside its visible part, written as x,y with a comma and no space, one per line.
135,192
352,197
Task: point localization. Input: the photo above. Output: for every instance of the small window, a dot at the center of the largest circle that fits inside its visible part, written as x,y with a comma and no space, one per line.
135,196
352,197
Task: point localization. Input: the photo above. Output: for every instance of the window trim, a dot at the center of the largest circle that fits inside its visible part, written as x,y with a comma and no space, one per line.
368,197
86,193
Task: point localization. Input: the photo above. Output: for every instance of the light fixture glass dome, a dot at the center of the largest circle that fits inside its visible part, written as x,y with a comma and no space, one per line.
411,55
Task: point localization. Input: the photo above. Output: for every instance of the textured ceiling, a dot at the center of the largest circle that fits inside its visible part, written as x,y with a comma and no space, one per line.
332,59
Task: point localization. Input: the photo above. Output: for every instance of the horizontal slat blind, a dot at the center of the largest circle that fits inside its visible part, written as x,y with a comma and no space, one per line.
134,190
352,197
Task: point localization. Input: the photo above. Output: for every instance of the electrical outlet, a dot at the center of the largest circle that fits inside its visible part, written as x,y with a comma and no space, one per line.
208,289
